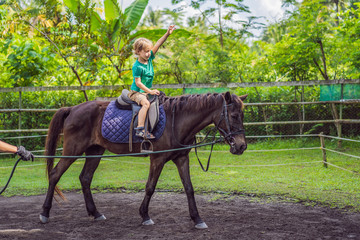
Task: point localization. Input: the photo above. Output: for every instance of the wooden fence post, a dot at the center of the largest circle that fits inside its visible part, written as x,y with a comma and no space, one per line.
322,142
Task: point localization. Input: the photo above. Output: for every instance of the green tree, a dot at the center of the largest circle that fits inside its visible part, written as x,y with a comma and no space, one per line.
349,31
226,14
175,17
274,32
153,18
28,64
81,37
308,43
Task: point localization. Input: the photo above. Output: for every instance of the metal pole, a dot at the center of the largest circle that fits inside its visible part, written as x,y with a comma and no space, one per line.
340,116
322,142
303,111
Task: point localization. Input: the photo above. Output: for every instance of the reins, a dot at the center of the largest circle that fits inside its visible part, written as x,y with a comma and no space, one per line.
12,173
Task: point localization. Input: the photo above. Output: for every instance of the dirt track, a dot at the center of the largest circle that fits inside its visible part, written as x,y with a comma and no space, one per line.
230,218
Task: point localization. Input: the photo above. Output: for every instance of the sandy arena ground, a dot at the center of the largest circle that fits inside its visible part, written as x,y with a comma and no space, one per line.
228,218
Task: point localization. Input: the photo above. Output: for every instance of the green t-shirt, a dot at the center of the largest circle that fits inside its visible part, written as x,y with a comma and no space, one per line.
143,71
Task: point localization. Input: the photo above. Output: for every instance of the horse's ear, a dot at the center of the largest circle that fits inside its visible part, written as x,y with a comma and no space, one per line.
227,97
243,97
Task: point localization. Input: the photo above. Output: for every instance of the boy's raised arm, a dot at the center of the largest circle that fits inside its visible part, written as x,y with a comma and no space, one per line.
163,39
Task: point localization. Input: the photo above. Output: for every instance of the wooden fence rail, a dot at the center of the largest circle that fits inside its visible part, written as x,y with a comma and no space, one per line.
343,121
184,86
338,119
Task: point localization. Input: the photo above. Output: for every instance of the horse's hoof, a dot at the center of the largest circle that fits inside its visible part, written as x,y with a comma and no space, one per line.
201,226
148,222
44,219
102,217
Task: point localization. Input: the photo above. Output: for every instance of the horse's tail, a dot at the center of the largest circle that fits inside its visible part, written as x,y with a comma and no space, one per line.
55,129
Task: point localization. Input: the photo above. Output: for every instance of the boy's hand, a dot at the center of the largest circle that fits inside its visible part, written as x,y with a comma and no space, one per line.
155,92
171,29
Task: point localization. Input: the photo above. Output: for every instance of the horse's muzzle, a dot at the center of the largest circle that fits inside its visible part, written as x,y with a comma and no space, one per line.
238,151
237,146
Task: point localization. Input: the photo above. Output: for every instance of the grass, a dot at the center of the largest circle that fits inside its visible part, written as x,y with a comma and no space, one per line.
296,175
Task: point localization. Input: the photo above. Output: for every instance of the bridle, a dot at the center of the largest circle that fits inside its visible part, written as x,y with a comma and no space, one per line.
228,134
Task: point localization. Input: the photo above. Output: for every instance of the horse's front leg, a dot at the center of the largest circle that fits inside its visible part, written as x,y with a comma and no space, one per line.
182,164
156,166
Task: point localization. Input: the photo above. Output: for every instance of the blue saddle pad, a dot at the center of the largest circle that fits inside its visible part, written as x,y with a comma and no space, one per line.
116,125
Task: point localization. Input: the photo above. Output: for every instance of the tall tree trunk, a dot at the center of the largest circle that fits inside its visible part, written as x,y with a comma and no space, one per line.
323,58
78,78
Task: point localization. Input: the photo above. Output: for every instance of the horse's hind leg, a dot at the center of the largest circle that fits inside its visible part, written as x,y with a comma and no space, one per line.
156,166
182,164
54,178
86,177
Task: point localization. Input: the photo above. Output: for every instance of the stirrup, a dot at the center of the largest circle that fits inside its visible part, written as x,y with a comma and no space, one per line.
142,146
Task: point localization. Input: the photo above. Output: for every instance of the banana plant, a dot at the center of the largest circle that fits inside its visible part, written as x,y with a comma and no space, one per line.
116,30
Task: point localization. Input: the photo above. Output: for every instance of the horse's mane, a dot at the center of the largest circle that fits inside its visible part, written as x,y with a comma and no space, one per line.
195,102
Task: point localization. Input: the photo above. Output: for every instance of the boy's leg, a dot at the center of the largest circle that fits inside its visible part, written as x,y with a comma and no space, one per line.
145,104
141,120
141,99
140,131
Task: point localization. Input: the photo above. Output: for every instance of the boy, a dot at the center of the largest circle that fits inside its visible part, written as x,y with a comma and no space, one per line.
143,73
21,151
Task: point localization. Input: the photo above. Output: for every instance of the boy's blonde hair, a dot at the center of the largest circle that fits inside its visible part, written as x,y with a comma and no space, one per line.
140,44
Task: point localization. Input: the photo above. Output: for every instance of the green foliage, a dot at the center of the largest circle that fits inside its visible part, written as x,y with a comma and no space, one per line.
27,64
317,40
226,13
349,30
134,12
314,42
112,10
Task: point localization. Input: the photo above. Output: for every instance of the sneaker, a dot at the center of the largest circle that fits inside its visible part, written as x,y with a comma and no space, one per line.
149,135
140,132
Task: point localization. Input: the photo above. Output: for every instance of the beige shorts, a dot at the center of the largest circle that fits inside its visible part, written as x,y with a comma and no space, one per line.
137,96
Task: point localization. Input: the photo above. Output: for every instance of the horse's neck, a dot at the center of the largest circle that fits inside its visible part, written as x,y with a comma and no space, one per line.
191,122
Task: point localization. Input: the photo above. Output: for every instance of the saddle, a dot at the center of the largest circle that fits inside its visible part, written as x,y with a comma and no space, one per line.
152,117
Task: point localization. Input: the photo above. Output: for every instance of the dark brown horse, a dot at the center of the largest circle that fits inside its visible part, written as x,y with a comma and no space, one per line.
81,127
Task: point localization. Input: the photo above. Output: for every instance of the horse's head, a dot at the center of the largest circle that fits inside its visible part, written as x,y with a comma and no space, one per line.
230,122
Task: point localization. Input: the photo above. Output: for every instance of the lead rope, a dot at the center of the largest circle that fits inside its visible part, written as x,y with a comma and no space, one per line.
12,173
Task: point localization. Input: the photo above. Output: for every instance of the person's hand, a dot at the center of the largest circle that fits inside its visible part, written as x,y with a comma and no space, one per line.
25,154
171,29
155,92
